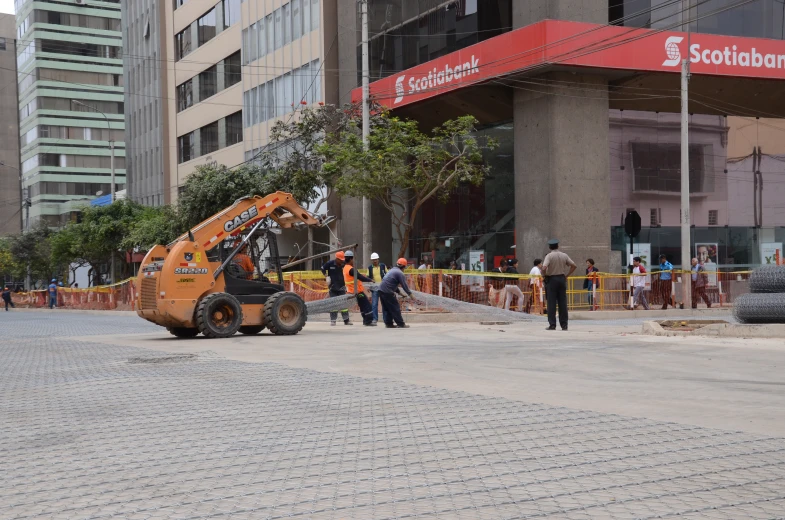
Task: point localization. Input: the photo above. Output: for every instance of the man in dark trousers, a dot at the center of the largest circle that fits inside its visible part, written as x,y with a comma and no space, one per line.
349,273
556,268
7,298
387,291
376,271
336,284
53,294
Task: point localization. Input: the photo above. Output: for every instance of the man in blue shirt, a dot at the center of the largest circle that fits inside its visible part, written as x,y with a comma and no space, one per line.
53,294
387,291
666,282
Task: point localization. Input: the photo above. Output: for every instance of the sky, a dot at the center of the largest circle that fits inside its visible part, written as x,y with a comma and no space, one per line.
7,6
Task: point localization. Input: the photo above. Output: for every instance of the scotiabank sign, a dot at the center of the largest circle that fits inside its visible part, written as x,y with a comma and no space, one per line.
573,44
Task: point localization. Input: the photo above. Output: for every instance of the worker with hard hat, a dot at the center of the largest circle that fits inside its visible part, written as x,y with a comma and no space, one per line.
376,272
387,291
349,274
336,285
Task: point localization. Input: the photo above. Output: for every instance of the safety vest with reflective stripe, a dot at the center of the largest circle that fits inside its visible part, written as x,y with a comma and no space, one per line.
349,279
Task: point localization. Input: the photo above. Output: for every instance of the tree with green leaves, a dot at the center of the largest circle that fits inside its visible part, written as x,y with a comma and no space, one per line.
154,226
403,168
34,249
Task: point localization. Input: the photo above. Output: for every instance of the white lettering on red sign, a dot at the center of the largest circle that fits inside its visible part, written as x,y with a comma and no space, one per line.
436,78
729,56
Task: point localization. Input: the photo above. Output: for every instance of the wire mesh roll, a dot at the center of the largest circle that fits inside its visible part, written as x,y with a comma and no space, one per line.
768,279
334,304
760,308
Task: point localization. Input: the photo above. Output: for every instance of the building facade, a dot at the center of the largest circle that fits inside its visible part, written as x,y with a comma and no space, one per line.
583,99
71,104
11,206
145,66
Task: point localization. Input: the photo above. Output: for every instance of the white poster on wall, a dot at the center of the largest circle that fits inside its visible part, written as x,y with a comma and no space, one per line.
707,254
770,252
476,263
643,251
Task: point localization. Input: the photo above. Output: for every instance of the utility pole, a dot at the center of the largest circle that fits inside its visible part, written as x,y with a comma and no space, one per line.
366,128
27,203
686,267
686,276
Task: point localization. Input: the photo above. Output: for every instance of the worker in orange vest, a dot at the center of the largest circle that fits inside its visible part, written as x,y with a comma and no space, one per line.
349,272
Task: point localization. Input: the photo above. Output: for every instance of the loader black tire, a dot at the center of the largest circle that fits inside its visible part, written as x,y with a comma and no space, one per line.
183,332
285,313
219,315
250,330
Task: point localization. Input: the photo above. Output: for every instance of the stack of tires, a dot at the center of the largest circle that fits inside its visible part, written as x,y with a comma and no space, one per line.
766,303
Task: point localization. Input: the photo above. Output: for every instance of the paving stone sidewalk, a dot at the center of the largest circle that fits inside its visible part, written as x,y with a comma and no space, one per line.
99,431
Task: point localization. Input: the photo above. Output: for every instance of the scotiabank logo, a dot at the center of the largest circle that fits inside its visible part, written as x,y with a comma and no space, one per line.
436,78
731,56
399,89
672,51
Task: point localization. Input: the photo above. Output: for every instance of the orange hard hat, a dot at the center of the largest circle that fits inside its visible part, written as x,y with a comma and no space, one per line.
340,256
402,262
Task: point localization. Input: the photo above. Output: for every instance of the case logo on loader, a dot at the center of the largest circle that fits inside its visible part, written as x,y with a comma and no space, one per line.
241,219
189,257
190,270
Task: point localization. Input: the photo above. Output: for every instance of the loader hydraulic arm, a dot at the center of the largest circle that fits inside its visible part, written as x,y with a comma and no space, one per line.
245,212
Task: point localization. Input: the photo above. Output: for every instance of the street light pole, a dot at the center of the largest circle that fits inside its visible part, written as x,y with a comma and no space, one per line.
111,164
366,128
111,142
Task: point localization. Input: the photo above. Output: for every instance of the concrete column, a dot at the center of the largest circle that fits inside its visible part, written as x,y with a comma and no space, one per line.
562,175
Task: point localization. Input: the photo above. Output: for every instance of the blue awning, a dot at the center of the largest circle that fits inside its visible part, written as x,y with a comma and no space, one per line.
103,200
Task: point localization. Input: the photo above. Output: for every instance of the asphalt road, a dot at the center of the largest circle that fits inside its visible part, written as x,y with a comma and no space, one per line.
106,416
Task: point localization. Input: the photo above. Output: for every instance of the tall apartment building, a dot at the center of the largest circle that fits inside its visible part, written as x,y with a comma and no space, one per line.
70,80
10,193
145,67
220,73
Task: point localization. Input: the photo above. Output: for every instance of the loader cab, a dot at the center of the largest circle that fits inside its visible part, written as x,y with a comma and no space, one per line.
254,274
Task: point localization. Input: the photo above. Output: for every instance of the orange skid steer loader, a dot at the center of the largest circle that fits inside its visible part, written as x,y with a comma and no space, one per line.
213,279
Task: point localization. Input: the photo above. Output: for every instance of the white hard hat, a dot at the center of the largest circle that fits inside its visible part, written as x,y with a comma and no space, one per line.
374,256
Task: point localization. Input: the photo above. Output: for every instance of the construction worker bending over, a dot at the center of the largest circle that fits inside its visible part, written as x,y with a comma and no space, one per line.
349,272
336,285
387,291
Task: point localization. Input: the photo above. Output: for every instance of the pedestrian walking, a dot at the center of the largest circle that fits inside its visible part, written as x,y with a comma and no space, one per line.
556,268
7,298
639,284
376,272
388,289
535,284
349,274
666,282
592,281
511,289
53,294
336,286
699,282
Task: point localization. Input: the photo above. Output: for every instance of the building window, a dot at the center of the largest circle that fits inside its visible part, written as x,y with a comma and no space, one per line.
278,15
185,95
713,217
179,3
206,27
297,19
185,148
209,138
232,70
208,83
655,217
287,23
231,12
269,28
657,167
2,44
182,42
234,128
314,14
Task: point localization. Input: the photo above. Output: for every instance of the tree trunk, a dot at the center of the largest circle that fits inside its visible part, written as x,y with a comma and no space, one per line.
405,242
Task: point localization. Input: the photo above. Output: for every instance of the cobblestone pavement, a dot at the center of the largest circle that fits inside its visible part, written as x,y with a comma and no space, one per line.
89,430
